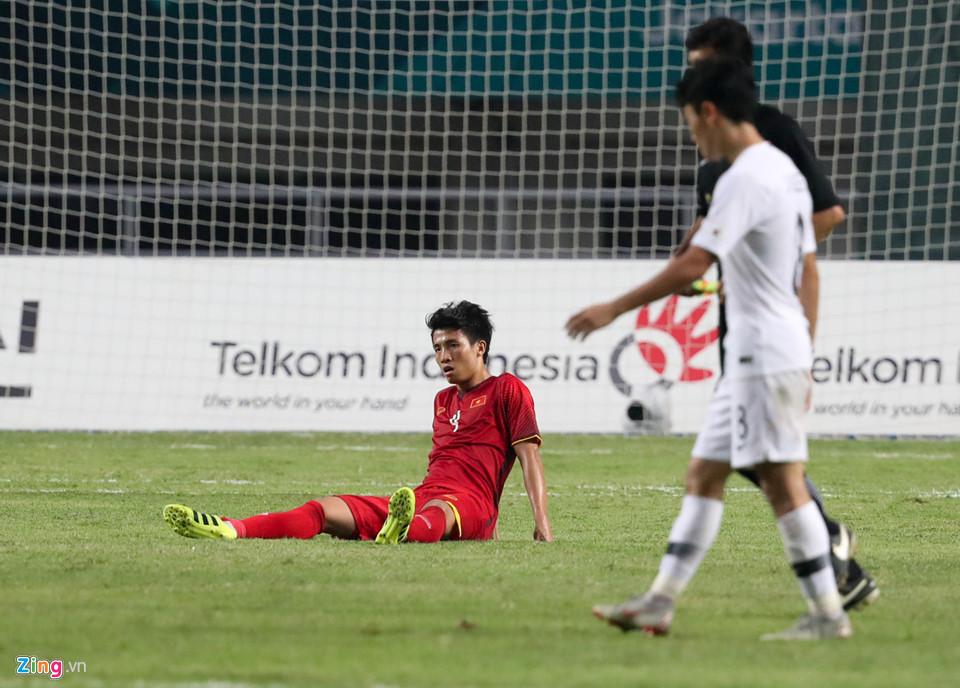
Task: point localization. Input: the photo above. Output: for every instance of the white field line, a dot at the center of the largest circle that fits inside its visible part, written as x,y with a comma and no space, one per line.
912,456
355,448
596,451
380,486
205,684
371,449
35,490
61,479
940,494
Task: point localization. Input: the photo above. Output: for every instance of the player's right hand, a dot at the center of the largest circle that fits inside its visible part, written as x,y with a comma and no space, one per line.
590,319
542,534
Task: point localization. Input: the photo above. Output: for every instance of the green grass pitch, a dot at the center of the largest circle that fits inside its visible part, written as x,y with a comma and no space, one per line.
89,572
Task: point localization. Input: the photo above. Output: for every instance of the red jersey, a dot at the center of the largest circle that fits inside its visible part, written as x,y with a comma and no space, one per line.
474,435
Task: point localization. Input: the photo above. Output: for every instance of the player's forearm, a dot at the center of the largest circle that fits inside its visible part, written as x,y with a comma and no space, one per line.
825,220
809,292
680,272
536,486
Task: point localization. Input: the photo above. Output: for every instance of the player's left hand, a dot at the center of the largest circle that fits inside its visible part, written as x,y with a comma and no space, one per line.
542,535
590,319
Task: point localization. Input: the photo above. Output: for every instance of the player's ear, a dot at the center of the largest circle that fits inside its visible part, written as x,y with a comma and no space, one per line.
709,112
481,347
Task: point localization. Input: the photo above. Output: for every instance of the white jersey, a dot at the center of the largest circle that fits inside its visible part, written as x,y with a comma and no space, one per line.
760,227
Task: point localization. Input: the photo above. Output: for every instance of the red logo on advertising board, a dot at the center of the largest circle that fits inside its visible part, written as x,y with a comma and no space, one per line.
682,332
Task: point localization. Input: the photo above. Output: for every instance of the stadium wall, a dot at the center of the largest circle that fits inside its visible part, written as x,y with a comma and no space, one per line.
340,345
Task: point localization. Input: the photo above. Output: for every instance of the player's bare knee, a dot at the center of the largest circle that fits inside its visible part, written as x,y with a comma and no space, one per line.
338,519
783,485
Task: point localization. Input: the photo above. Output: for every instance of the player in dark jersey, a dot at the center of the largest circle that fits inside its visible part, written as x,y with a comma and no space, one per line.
481,425
725,37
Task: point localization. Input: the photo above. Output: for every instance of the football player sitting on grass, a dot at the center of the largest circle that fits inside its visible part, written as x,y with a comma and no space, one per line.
481,424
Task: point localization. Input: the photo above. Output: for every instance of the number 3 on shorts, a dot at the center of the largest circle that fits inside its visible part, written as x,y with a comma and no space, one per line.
742,428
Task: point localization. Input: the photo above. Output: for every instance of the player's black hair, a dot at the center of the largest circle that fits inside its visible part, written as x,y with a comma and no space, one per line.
468,317
725,82
727,37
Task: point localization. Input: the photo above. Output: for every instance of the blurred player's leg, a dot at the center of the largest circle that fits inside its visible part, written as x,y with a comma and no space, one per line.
807,545
691,537
403,504
857,587
773,442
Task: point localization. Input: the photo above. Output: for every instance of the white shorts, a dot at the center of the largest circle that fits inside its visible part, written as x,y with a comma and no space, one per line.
755,419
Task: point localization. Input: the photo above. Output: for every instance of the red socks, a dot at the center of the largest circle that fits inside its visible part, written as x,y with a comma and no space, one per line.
428,525
304,522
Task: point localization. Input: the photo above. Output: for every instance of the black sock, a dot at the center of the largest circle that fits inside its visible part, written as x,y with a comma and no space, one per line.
832,526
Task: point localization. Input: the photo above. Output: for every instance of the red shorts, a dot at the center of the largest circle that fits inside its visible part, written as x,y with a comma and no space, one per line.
477,519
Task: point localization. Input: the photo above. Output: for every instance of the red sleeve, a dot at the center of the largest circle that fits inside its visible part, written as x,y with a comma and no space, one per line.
520,416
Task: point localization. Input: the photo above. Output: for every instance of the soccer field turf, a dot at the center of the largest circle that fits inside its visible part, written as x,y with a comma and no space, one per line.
89,572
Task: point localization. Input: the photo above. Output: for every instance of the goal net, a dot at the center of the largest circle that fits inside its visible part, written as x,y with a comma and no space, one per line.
534,147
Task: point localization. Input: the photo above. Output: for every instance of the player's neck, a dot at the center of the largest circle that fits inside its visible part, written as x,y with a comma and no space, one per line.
738,138
478,378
